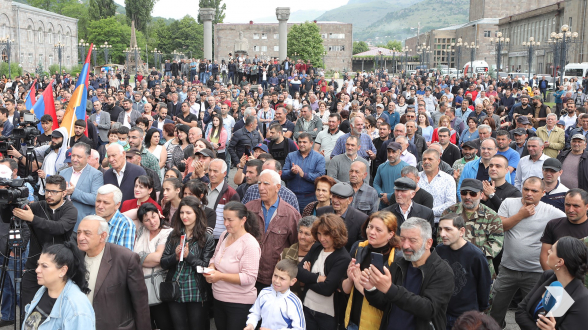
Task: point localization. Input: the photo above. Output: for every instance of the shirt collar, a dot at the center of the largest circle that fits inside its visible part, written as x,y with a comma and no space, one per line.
275,205
80,172
122,171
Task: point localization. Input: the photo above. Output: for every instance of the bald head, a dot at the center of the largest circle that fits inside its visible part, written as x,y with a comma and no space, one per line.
194,134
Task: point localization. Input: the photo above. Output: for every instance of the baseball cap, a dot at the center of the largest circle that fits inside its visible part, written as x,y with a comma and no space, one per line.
133,152
68,156
552,163
520,131
561,122
262,147
471,185
523,120
579,136
470,144
205,152
56,134
394,146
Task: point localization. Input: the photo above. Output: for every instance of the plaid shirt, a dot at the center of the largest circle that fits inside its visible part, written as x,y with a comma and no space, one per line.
186,277
121,231
366,199
284,193
148,160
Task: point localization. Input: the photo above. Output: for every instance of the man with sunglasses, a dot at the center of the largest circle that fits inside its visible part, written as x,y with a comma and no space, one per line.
483,226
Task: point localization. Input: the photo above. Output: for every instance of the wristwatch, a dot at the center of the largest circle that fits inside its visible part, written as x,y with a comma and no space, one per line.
491,195
19,158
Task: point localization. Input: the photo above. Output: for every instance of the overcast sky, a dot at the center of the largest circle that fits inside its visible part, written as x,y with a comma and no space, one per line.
239,11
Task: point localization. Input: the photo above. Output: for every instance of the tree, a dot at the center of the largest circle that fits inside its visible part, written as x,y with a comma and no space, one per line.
184,35
100,9
220,7
79,11
394,45
117,35
305,40
55,6
360,47
140,12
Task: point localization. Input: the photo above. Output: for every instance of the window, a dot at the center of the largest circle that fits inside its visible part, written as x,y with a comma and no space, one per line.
264,36
276,48
336,48
570,23
68,61
324,36
336,35
50,59
41,37
276,36
30,34
487,34
264,48
256,36
50,37
255,48
41,58
30,58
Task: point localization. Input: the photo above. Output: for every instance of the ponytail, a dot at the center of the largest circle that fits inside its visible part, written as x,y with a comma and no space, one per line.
68,254
251,222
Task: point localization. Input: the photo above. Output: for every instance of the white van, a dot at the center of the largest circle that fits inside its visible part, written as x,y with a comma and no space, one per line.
479,67
451,72
576,70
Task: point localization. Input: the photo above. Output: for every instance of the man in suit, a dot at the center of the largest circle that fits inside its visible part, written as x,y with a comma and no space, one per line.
129,116
101,119
122,174
83,181
341,196
174,107
118,292
405,208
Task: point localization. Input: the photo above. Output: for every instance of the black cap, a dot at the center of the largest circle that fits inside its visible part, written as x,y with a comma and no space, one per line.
471,185
552,164
523,120
133,152
520,131
470,144
342,189
56,134
394,146
205,152
404,184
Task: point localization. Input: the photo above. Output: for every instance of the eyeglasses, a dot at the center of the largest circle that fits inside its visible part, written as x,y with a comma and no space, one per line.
471,193
52,192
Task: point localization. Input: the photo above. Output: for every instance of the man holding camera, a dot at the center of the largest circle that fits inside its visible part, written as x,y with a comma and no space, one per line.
49,221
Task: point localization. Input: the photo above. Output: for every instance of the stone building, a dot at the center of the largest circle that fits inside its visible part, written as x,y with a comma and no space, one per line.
35,33
262,39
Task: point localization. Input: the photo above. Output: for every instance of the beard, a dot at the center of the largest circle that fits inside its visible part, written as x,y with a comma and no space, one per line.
416,255
56,146
57,202
468,157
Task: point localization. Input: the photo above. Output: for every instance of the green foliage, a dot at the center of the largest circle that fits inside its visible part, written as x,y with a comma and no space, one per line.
305,40
140,12
184,35
55,6
15,69
75,69
53,68
80,11
100,9
360,47
117,35
220,7
394,45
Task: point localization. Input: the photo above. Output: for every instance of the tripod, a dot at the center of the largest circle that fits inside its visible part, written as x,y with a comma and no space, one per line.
15,241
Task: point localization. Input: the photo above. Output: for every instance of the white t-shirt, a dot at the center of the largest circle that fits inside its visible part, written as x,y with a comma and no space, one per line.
315,301
93,266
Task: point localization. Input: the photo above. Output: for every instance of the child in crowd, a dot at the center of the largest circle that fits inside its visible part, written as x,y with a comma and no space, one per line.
277,306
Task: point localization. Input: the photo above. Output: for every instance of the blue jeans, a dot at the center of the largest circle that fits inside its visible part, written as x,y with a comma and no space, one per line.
352,326
192,75
7,305
202,77
168,73
264,84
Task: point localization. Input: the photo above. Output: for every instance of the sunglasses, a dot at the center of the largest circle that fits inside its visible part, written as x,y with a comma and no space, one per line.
471,193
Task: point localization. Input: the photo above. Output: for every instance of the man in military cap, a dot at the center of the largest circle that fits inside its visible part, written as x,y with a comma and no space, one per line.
404,208
468,151
341,197
483,226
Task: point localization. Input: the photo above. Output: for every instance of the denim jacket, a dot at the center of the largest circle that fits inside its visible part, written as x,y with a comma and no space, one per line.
72,310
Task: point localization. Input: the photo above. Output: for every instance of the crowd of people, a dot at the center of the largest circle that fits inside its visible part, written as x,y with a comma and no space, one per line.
378,202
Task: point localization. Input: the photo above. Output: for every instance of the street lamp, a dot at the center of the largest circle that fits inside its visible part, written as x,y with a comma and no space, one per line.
456,48
560,42
59,47
105,47
498,43
137,51
94,54
530,45
406,50
472,47
82,48
7,42
156,54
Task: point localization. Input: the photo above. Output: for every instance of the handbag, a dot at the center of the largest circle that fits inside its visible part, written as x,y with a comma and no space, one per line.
170,290
153,283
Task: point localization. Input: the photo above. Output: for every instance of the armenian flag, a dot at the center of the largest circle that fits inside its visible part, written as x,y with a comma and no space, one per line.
30,99
45,105
76,108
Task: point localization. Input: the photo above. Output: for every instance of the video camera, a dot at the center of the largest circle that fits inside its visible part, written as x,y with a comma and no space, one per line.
15,193
27,129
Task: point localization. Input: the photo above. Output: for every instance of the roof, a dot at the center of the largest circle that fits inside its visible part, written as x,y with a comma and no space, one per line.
42,11
276,23
375,51
472,23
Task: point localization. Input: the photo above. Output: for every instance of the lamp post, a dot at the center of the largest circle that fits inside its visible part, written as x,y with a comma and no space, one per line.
561,41
498,43
105,47
136,50
530,45
7,42
82,48
472,47
59,47
176,55
406,50
127,52
156,55
456,48
94,54
422,48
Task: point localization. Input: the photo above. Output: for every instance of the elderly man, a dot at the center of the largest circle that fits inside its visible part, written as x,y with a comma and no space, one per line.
520,142
341,198
219,193
121,228
405,207
286,194
405,155
339,166
366,150
554,138
483,225
244,140
101,119
415,289
531,165
111,266
437,183
524,221
307,123
301,168
122,174
83,181
421,196
388,172
366,197
278,221
575,163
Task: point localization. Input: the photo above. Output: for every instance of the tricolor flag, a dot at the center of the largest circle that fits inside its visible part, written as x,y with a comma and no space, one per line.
45,105
76,109
30,99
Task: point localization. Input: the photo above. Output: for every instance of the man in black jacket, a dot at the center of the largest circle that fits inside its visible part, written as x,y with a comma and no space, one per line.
415,290
244,140
49,221
405,208
341,197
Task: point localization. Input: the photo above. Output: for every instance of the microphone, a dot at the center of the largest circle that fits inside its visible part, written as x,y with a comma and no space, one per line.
549,300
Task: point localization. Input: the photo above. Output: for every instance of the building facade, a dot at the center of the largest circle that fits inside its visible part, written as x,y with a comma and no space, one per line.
35,33
263,40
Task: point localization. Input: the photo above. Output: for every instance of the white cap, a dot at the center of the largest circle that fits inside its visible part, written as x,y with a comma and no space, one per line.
5,172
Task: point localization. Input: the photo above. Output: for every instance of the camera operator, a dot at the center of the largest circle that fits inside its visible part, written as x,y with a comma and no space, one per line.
49,221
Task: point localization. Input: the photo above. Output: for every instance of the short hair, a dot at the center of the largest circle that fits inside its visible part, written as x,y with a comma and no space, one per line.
11,163
113,131
87,148
255,163
502,132
111,189
444,130
535,179
338,116
46,119
250,120
249,111
333,226
551,115
288,266
57,180
103,224
277,127
409,170
4,111
325,179
573,193
137,129
432,151
274,175
457,219
123,130
305,135
143,120
216,160
80,123
422,224
536,139
501,157
307,221
485,127
352,137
